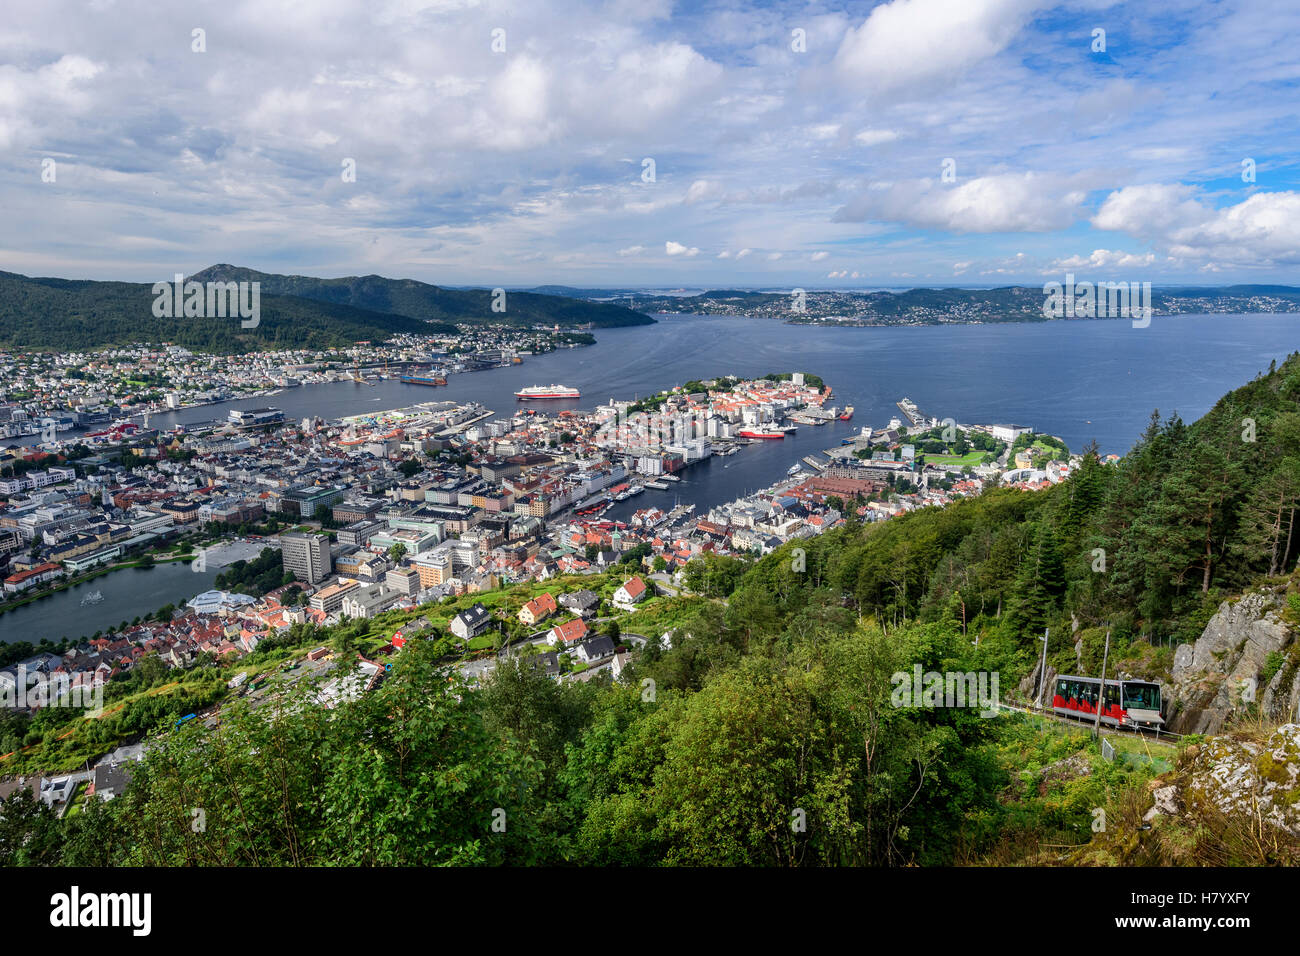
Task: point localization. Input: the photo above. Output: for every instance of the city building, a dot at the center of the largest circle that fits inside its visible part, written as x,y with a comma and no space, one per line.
306,555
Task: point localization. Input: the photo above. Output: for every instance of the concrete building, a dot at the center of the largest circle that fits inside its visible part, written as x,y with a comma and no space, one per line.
330,599
1009,433
306,555
405,581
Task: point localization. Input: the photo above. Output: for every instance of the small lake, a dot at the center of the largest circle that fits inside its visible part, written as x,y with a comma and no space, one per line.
128,593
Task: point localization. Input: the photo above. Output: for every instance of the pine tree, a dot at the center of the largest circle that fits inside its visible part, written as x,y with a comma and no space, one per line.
1040,584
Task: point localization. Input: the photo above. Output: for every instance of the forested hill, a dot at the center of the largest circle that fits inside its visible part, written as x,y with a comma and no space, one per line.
433,303
68,314
296,312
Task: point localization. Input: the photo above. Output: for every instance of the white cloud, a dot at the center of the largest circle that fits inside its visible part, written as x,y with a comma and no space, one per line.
1261,230
907,42
703,189
1149,209
631,251
1105,258
875,137
677,249
1007,202
819,256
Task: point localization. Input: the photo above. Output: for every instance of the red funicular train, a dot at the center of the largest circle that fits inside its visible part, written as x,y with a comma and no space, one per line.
1128,703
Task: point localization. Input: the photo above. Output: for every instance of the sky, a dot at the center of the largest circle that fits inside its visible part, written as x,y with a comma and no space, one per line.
654,144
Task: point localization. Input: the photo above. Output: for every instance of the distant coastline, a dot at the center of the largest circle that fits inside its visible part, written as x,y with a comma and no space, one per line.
929,307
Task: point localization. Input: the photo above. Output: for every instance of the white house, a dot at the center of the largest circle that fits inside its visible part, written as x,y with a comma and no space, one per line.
471,623
631,591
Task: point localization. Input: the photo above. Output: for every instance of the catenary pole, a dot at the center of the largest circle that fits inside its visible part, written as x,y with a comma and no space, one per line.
1042,670
1101,693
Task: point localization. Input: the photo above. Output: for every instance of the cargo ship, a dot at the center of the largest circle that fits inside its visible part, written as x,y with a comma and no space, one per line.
537,392
421,380
757,433
847,414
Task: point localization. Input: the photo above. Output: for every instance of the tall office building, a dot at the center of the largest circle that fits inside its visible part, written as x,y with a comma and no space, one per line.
306,555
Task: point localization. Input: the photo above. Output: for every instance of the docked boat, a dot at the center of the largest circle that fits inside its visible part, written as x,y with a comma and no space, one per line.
421,380
847,414
757,433
593,504
541,392
794,470
657,485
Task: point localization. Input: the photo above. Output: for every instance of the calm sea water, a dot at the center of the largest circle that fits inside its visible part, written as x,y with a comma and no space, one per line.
1081,380
1077,379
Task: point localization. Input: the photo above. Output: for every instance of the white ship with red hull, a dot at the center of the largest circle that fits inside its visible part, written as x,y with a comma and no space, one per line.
540,392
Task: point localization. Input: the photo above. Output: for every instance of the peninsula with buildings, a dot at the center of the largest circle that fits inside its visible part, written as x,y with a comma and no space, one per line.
940,306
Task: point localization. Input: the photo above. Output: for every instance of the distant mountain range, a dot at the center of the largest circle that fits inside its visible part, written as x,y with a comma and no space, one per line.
295,312
950,305
432,303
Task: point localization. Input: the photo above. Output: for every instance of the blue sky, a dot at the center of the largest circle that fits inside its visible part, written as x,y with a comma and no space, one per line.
792,143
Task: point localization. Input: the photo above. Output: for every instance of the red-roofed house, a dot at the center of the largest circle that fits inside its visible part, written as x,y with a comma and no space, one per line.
631,591
538,609
567,634
32,577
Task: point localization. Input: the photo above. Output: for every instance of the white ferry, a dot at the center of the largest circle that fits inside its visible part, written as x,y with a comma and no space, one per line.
537,392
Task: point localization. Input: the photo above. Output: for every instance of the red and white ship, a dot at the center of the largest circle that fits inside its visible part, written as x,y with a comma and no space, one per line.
760,433
537,392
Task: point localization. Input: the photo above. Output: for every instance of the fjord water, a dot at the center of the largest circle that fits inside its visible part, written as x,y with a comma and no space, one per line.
1077,379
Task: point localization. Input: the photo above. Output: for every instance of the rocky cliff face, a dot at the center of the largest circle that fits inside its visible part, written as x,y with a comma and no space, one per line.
1240,778
1227,668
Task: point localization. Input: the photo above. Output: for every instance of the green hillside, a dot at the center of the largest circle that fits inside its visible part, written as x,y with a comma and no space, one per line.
432,303
66,314
296,312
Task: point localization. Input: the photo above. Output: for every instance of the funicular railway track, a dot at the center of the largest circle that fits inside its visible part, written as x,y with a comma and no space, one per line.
1088,720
